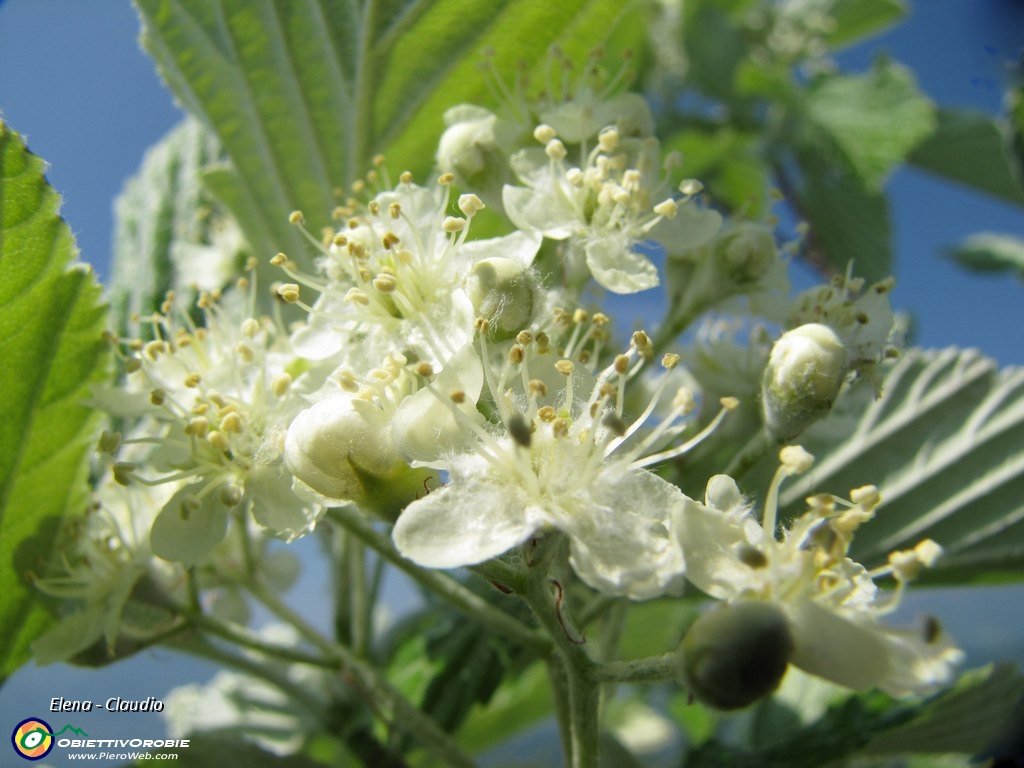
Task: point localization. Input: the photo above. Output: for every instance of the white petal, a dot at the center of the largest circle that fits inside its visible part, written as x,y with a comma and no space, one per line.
618,268
276,507
831,646
462,524
541,210
186,530
691,227
916,666
620,542
710,539
520,247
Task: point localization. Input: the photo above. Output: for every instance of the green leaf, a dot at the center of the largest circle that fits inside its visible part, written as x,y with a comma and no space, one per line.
715,45
857,19
166,226
971,148
965,719
302,93
873,120
960,719
848,222
945,445
51,325
991,252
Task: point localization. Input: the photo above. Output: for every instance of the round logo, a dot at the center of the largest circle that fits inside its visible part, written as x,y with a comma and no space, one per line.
33,738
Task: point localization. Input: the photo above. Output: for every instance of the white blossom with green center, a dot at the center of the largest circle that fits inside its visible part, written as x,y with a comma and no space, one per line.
395,278
212,405
832,604
604,206
569,460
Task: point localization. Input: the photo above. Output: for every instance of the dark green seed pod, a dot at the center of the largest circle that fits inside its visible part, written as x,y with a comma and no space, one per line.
737,654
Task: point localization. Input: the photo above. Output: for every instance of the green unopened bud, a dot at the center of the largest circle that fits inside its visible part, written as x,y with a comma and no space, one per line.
805,371
502,291
746,252
469,147
737,654
330,445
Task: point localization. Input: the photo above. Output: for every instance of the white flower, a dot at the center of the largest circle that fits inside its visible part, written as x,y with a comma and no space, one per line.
395,280
862,319
831,603
210,407
575,465
108,556
603,208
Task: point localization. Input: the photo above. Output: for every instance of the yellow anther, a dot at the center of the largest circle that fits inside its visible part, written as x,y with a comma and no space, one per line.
192,380
424,369
641,341
390,240
357,295
560,427
555,150
600,319
385,283
794,458
109,442
470,205
546,413
296,217
453,224
219,441
289,292
524,338
154,348
669,361
667,208
198,427
123,472
690,187
621,364
405,177
278,259
373,207
132,364
608,139
580,316
445,179
684,400
281,385
157,397
457,396
250,327
516,354
245,352
544,133
231,422
565,367
537,387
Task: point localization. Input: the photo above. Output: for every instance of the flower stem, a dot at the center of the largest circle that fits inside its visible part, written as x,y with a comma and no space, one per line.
403,713
581,717
649,670
441,584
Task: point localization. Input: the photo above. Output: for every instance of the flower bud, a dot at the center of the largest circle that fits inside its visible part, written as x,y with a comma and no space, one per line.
331,444
502,291
746,252
736,654
805,371
469,148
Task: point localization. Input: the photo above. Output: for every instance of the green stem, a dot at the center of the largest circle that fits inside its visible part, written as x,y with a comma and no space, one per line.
246,638
403,713
584,693
443,585
649,670
755,450
360,599
201,648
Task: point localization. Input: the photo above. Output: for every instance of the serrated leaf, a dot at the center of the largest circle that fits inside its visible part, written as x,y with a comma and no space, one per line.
849,223
945,445
165,225
302,93
51,324
971,148
990,252
965,719
857,19
873,119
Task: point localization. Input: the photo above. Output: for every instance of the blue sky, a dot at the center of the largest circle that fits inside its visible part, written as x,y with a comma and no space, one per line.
75,83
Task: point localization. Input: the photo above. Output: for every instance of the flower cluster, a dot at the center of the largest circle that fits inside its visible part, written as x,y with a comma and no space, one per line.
461,390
